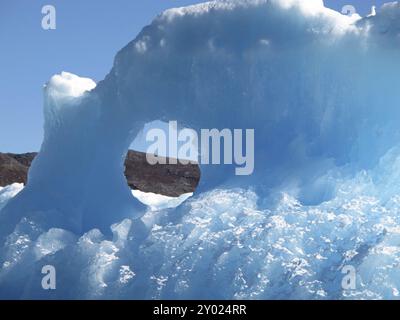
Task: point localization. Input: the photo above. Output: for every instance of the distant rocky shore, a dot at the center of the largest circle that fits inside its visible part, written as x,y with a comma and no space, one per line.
169,180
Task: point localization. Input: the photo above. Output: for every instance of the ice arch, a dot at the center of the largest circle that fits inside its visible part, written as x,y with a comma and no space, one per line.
280,66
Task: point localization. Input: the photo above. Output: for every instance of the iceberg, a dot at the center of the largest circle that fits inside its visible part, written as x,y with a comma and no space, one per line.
319,89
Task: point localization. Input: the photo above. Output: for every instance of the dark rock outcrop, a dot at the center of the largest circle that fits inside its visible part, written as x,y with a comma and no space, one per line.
14,167
170,180
167,179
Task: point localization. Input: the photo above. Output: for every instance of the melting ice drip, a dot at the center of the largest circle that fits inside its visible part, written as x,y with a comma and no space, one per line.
320,90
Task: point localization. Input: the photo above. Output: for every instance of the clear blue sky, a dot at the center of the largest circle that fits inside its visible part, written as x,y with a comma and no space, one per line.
88,35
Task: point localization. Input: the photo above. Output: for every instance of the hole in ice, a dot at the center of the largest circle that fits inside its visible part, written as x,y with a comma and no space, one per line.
168,183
